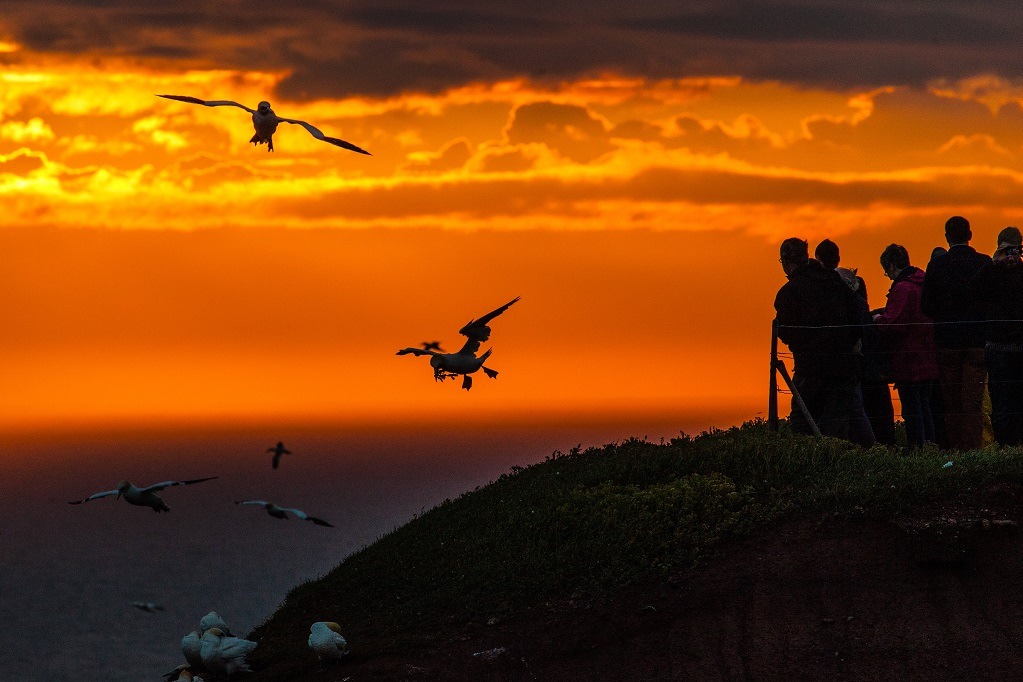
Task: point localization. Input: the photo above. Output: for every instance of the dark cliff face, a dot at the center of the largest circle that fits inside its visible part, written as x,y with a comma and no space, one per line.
933,595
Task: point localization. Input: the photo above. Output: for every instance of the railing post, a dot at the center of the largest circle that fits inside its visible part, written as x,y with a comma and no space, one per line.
772,397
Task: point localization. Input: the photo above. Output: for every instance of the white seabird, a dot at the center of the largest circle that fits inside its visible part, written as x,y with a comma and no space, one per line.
213,620
265,122
183,673
464,362
282,512
223,654
326,641
278,450
191,644
142,497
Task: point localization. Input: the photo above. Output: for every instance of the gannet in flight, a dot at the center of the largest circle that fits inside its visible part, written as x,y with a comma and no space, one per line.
143,497
282,512
147,606
278,450
223,654
432,345
265,121
326,641
464,362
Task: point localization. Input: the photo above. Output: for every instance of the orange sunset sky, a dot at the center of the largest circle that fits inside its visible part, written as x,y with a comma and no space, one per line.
628,172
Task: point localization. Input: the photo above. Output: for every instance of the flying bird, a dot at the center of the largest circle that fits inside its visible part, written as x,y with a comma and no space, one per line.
282,512
465,361
432,345
278,450
265,122
147,606
142,497
223,654
326,641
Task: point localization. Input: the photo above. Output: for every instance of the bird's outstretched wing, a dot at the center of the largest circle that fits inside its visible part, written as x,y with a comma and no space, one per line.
305,517
106,493
477,329
415,351
208,102
318,134
157,487
261,503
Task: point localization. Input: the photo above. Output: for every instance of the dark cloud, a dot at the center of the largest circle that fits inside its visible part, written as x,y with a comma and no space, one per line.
386,47
570,130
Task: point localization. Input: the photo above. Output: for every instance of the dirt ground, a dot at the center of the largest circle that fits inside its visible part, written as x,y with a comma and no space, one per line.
935,596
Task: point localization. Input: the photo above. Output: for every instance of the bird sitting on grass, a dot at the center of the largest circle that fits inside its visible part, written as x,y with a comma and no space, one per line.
326,642
223,654
465,361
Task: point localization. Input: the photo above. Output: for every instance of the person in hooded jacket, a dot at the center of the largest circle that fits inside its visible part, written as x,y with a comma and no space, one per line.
911,338
818,319
999,287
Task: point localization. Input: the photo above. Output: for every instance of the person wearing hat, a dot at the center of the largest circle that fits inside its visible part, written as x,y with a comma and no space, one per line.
999,287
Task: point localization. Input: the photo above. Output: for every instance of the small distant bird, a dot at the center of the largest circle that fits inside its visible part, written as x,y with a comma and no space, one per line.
464,362
282,512
191,646
326,641
147,606
432,345
213,620
142,497
223,654
265,122
278,450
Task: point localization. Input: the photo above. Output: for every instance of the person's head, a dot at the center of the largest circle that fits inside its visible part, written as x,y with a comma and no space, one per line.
938,251
1010,245
894,259
957,230
794,252
827,253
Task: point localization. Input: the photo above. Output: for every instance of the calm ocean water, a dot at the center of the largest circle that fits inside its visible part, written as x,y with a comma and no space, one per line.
69,572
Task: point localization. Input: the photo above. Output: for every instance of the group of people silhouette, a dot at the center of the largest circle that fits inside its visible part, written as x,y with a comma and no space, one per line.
950,338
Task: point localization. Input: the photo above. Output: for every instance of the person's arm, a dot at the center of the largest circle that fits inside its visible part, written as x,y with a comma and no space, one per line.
898,305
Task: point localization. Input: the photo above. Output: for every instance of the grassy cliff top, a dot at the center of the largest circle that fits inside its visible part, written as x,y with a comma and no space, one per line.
584,524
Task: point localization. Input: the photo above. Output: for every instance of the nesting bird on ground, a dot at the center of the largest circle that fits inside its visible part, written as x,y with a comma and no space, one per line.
265,122
464,362
191,646
282,512
278,450
213,620
223,654
142,497
326,641
147,606
183,673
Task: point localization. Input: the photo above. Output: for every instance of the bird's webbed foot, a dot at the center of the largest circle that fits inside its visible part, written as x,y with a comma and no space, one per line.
467,382
270,145
441,375
490,372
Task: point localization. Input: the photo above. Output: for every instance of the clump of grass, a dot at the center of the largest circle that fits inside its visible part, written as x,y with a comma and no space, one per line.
590,521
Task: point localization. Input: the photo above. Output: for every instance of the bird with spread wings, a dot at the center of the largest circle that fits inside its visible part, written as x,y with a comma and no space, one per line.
265,122
142,497
465,361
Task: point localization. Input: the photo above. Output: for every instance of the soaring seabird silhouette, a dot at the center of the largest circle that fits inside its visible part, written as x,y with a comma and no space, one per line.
147,606
265,121
278,450
464,362
432,345
142,497
282,512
